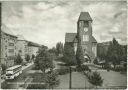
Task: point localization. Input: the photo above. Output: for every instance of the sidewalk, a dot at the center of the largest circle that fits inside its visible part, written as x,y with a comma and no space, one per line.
28,65
23,68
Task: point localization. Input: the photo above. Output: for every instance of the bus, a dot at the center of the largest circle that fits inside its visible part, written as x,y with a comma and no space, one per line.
13,71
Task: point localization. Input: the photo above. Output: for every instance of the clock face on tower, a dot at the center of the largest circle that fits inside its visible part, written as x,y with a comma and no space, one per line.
85,29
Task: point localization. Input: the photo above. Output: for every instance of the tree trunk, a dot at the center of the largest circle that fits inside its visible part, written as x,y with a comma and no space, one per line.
44,71
96,87
114,66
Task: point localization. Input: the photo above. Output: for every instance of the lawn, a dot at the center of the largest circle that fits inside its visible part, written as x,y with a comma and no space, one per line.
38,80
78,81
113,79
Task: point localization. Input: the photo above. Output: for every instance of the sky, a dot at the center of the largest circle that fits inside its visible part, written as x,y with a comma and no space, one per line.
47,22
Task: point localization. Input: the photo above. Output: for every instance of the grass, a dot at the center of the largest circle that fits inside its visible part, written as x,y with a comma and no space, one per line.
38,79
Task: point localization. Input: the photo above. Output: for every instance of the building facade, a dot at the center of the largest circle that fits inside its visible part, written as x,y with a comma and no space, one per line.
84,34
33,48
12,45
102,48
25,47
22,47
8,46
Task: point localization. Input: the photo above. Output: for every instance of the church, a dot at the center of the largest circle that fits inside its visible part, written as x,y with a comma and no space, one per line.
84,30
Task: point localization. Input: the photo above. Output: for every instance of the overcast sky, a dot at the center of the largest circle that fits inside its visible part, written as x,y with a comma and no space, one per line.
47,22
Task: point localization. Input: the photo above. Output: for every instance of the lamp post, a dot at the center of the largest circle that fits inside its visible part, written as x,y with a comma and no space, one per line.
70,78
85,82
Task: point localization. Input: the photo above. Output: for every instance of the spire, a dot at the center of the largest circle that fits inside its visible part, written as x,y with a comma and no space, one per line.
84,16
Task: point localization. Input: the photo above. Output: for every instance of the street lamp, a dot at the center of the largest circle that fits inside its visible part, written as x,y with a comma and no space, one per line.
70,76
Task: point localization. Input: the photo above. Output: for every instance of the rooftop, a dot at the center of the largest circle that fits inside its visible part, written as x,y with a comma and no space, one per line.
6,30
71,37
21,37
33,44
85,16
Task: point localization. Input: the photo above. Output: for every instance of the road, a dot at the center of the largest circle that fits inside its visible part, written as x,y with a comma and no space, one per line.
15,84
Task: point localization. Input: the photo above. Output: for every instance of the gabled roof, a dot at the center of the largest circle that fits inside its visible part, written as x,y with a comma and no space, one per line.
6,30
33,44
70,37
85,16
93,40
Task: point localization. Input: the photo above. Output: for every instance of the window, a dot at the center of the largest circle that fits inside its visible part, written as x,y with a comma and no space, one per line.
11,50
86,23
80,23
94,50
5,47
85,38
11,44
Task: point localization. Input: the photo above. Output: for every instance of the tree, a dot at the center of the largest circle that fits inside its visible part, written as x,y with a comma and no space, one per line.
79,55
123,52
4,67
27,58
52,79
53,50
95,61
33,56
69,54
59,48
18,59
114,53
95,79
79,52
43,60
39,53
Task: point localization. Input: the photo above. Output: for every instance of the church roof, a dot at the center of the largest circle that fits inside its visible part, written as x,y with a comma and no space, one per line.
71,37
93,40
85,16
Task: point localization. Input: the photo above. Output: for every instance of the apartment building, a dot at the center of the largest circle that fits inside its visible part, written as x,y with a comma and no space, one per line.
8,46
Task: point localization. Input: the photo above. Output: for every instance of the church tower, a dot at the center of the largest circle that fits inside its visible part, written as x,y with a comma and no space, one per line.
84,30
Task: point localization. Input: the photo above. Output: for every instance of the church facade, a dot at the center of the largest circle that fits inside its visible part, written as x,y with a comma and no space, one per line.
87,40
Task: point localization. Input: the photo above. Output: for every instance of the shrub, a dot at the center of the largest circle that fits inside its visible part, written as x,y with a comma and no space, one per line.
62,71
95,79
95,61
37,86
4,85
83,68
3,66
118,69
18,59
38,78
24,63
27,58
52,79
